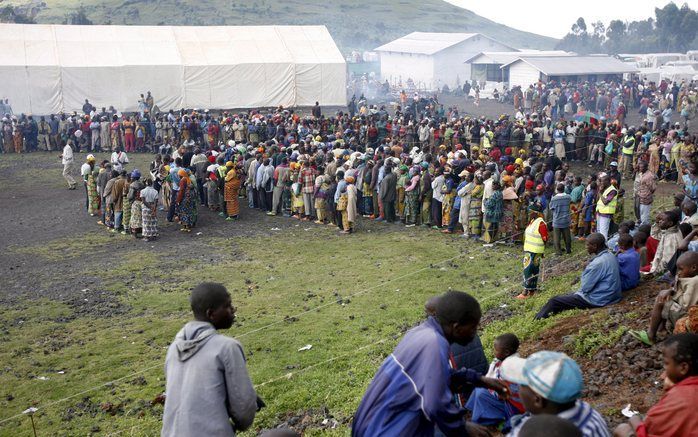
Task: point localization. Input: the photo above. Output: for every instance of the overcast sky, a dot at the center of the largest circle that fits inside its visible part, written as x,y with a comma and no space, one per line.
555,17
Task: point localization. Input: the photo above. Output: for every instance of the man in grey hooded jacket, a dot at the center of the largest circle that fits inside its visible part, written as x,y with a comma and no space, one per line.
209,392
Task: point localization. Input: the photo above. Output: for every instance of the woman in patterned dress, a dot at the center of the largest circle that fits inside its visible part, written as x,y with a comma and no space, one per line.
186,201
93,198
475,210
231,192
149,208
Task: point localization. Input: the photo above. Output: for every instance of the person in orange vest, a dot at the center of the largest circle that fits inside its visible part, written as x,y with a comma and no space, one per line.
535,236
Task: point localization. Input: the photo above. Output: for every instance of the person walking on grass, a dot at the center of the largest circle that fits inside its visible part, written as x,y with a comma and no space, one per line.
208,389
68,161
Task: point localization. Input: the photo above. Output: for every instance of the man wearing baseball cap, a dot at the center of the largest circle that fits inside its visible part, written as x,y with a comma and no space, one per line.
551,383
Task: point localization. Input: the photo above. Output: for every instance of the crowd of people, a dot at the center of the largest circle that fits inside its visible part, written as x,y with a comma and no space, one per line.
509,180
484,178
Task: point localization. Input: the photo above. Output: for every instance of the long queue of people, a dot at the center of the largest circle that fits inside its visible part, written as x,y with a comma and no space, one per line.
482,187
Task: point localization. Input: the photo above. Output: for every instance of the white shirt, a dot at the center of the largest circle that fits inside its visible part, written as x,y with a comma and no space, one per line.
67,155
118,160
487,191
85,170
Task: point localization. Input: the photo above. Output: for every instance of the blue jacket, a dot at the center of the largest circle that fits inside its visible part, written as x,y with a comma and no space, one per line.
601,280
410,393
458,199
629,266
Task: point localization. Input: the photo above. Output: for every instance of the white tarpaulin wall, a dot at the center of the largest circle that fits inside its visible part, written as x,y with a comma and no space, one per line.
51,68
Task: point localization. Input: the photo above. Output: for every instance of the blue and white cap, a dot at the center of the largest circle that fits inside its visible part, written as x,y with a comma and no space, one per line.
552,375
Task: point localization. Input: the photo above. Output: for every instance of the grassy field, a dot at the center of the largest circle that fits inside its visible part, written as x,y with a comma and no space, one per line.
350,298
357,24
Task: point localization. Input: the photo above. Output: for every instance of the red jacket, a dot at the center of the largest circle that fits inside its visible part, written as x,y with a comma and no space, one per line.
674,415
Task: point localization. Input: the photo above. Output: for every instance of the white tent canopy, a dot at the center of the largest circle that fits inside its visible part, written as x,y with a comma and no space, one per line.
52,68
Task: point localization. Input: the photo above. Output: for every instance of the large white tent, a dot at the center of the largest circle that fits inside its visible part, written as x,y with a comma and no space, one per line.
50,68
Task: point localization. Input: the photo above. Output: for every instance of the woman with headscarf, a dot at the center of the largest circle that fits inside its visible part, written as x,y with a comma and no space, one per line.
449,193
465,193
507,225
90,174
412,197
525,195
232,189
186,201
211,184
475,209
321,188
401,183
349,213
149,208
134,196
126,207
109,201
494,208
297,205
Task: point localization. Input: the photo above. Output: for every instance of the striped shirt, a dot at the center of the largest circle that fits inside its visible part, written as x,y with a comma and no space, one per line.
582,415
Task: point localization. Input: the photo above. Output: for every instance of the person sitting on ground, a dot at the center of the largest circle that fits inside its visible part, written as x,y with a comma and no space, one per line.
627,227
673,303
600,282
669,238
208,389
488,408
640,245
549,425
674,414
411,393
689,209
552,383
628,263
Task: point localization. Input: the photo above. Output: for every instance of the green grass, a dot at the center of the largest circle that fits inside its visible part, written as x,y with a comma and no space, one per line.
346,21
589,340
358,319
350,298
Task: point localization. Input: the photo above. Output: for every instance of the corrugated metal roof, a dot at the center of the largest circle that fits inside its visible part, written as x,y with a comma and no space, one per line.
571,65
425,43
507,57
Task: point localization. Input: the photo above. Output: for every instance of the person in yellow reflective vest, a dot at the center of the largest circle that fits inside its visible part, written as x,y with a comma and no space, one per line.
627,151
606,205
534,245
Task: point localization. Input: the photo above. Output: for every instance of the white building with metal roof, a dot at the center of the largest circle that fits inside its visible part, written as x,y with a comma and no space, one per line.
433,60
526,70
487,66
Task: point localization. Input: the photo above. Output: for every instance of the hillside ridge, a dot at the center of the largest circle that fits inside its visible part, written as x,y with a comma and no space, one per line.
354,24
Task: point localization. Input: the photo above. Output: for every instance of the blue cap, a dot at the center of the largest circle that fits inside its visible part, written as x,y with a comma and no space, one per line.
552,375
135,174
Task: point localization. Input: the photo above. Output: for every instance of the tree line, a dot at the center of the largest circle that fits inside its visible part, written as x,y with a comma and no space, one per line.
672,29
